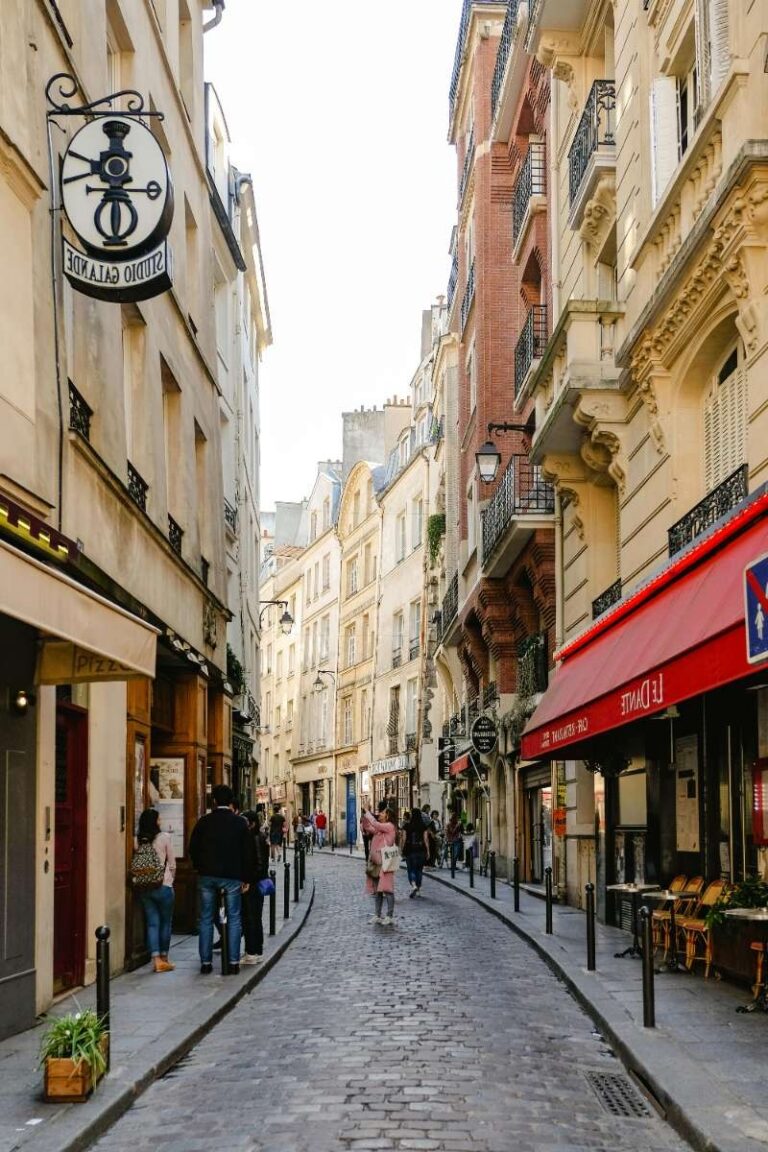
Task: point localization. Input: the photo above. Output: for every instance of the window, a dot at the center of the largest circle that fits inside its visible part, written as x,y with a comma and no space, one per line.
471,368
289,715
279,667
350,644
417,524
410,705
325,638
366,644
292,607
269,660
398,631
291,659
346,720
352,576
405,450
356,509
276,767
313,527
414,628
268,708
326,514
369,564
400,545
725,430
306,652
393,723
278,715
326,571
323,724
365,715
314,644
308,586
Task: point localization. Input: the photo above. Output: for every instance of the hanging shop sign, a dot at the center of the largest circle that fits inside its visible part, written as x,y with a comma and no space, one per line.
117,194
483,735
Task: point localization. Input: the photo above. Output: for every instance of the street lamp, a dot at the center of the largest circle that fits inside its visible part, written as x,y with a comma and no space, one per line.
488,456
286,620
318,685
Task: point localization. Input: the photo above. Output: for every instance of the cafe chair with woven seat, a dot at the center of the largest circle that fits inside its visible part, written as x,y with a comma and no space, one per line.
660,919
698,938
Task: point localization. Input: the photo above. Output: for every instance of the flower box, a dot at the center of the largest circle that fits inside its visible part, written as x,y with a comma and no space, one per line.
67,1079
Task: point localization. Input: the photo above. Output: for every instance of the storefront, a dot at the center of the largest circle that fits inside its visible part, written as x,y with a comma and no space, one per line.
391,780
536,822
665,701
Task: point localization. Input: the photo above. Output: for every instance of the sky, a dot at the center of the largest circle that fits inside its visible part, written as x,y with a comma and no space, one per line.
339,110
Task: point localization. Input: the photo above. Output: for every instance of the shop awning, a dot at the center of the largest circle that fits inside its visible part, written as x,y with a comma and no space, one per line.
90,638
679,635
461,764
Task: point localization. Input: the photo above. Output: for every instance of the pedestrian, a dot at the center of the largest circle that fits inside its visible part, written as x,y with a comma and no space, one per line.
321,823
435,838
367,836
381,885
277,830
221,851
157,902
470,844
415,846
253,899
453,836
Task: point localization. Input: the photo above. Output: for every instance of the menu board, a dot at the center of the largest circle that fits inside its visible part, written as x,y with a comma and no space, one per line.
166,794
687,793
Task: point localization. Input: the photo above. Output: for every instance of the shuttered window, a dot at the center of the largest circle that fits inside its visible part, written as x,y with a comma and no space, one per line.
725,421
664,135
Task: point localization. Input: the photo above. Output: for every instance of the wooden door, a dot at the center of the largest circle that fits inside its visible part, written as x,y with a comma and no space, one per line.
70,848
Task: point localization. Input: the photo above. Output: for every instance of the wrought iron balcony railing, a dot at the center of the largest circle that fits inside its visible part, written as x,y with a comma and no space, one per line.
458,59
469,159
394,745
597,128
522,491
413,649
230,517
175,534
397,657
452,281
531,345
532,665
450,603
469,296
531,181
717,503
505,44
490,694
79,413
137,487
410,742
606,599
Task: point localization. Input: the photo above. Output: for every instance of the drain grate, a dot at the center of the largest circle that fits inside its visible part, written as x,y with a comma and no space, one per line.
618,1095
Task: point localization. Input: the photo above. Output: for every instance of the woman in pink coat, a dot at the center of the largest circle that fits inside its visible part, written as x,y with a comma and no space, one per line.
383,886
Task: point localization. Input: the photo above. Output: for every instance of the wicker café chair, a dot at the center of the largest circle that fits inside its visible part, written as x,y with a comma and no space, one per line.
660,919
698,938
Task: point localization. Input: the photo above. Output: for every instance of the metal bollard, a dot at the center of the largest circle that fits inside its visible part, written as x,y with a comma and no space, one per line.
548,893
453,861
272,902
516,882
302,866
649,998
223,931
492,864
350,847
590,891
286,890
471,864
102,979
296,880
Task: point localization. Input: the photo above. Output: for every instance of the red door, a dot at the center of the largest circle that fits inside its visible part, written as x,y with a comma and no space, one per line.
70,852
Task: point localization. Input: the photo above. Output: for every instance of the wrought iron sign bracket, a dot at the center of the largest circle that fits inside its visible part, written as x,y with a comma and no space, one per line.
65,86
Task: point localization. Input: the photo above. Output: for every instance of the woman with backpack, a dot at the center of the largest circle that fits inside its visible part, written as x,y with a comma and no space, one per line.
153,869
415,848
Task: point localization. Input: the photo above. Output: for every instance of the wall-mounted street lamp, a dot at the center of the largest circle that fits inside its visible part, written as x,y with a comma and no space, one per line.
286,620
488,456
318,685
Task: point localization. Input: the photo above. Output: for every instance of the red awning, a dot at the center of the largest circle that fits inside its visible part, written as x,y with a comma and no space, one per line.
680,635
461,764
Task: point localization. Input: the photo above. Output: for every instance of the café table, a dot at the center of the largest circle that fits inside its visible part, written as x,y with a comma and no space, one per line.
634,891
664,896
757,916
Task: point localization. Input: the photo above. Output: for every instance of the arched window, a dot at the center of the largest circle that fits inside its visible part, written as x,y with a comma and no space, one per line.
725,425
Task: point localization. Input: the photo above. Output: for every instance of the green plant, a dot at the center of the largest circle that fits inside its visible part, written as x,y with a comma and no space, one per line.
751,892
78,1036
435,533
235,672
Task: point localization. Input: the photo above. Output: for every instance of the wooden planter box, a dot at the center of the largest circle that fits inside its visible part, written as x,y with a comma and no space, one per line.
731,953
66,1080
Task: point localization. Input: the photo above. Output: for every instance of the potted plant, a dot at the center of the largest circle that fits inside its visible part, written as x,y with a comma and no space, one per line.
74,1052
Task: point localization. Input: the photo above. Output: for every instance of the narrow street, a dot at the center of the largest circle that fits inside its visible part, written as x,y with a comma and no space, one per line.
444,1032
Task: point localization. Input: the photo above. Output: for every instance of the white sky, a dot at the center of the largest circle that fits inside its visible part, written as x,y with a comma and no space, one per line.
339,110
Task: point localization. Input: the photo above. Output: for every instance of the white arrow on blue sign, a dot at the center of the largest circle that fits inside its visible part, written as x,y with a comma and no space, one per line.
756,609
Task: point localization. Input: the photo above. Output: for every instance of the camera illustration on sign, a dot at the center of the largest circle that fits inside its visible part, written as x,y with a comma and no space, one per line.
483,735
117,194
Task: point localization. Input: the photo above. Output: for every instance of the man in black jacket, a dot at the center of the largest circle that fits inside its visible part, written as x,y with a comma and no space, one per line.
221,851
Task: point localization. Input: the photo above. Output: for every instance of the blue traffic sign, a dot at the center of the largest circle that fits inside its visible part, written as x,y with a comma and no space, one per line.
756,609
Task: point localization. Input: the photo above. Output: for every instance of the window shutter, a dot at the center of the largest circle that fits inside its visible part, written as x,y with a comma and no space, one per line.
720,55
703,53
664,142
725,429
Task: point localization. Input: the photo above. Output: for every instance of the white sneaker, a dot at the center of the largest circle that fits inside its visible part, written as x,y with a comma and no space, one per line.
375,920
388,920
249,958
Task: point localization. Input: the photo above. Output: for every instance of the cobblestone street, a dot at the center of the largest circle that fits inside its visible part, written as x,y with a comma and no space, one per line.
444,1032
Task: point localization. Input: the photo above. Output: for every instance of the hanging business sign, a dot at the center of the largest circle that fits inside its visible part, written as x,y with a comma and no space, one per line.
117,194
483,735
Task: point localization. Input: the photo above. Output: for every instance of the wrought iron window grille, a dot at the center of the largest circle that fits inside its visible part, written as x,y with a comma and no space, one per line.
79,413
175,534
522,491
606,599
531,345
597,128
716,504
502,56
137,487
531,181
469,296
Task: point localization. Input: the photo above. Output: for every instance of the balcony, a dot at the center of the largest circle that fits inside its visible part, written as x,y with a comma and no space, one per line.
530,347
469,159
593,151
716,504
450,607
137,487
230,517
505,46
413,649
452,280
175,534
530,189
532,665
522,498
79,413
606,599
469,297
458,59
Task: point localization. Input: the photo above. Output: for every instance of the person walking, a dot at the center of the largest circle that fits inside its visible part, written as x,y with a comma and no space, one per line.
415,848
221,851
367,836
277,830
381,885
453,835
253,899
321,824
158,902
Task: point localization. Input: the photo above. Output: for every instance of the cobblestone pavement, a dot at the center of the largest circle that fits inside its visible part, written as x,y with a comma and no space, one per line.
444,1032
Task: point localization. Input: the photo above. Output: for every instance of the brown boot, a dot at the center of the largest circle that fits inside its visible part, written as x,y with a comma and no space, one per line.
163,964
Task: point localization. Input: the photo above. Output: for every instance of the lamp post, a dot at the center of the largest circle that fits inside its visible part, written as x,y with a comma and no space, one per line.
286,620
488,456
319,686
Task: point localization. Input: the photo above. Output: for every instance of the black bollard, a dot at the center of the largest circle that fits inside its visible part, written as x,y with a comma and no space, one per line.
286,890
492,865
296,880
471,865
452,849
350,847
516,882
302,866
590,890
272,903
548,893
649,1000
102,980
224,932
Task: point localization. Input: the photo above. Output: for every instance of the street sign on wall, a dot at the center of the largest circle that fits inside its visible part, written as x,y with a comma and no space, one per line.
756,609
483,735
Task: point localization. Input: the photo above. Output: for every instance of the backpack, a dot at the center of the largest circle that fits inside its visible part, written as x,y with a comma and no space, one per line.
146,870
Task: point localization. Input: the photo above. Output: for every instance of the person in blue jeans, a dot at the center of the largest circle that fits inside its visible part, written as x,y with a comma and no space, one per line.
221,852
415,847
158,902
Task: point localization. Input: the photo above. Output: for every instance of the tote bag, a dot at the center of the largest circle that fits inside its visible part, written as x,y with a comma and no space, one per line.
390,859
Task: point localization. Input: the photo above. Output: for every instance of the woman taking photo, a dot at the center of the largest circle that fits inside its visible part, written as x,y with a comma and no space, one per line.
158,902
380,884
415,847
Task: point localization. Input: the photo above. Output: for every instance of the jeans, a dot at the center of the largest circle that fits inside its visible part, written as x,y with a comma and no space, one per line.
320,834
415,865
390,899
253,906
208,896
456,847
158,913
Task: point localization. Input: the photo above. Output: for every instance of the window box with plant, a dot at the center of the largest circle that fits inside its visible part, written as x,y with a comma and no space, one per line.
74,1053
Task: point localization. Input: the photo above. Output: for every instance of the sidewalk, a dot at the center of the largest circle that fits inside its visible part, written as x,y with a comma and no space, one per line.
155,1019
706,1065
